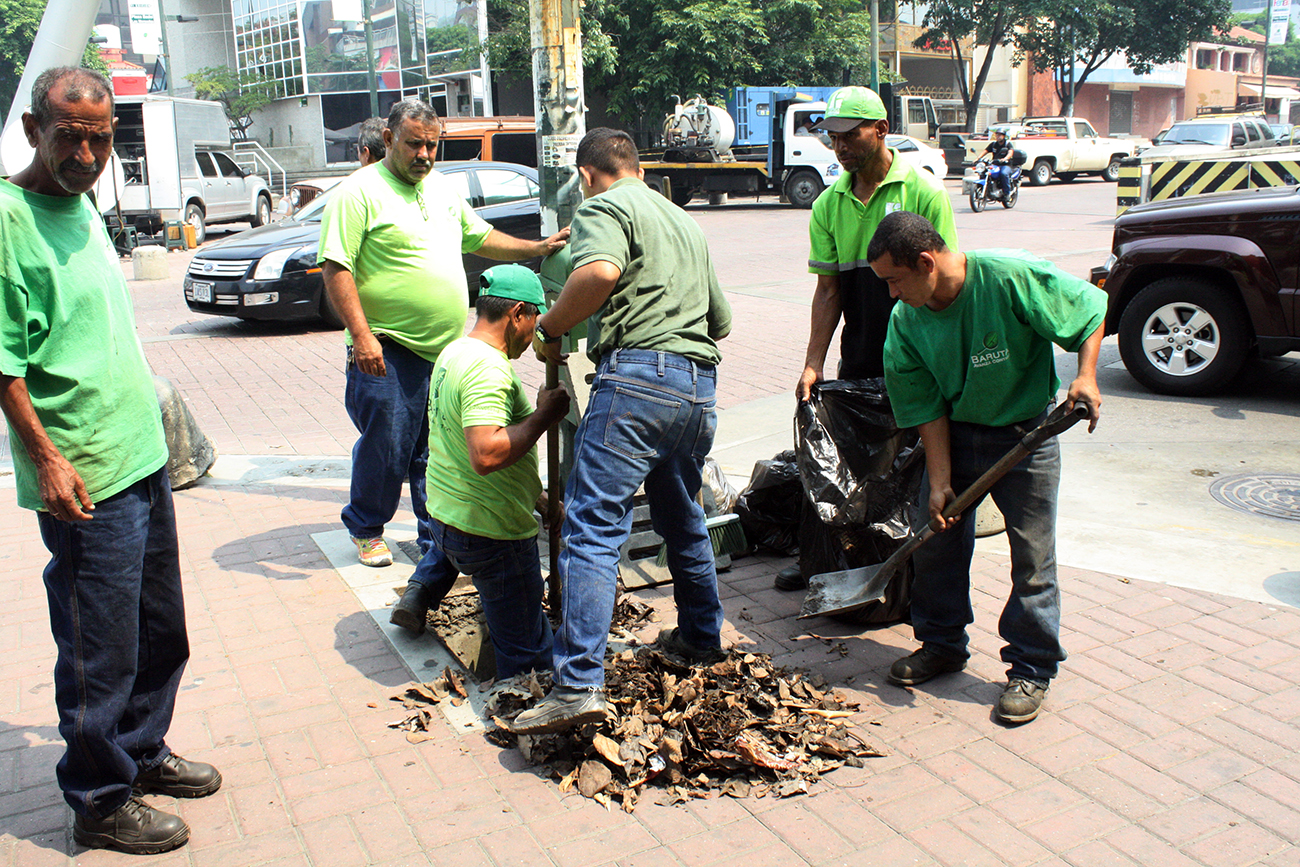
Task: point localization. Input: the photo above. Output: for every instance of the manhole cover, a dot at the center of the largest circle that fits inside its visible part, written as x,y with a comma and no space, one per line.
1274,495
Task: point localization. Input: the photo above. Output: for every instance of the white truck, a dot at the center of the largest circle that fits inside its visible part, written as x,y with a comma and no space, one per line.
1062,146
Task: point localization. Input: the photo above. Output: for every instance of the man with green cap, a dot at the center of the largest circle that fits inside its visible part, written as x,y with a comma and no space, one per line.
875,183
483,480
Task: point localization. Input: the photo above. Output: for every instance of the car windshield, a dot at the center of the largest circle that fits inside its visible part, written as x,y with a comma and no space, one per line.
1198,133
311,212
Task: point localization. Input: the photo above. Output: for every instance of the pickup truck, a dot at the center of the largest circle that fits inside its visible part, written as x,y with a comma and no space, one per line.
1063,146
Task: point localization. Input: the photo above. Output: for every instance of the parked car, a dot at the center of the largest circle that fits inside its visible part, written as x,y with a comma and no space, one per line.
1197,284
1283,133
271,272
1220,130
924,154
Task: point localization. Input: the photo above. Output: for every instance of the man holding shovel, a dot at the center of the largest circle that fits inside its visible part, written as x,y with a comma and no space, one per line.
969,361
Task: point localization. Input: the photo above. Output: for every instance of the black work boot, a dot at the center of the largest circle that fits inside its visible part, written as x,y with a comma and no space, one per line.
135,828
412,609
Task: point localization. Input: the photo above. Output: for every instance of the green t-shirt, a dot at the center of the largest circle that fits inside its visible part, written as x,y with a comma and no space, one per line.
403,245
69,332
474,384
667,298
987,358
839,233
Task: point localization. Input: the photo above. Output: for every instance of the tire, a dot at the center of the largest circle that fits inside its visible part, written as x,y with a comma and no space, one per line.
681,197
802,189
977,202
1111,172
1067,177
1167,359
194,216
1041,173
328,314
262,214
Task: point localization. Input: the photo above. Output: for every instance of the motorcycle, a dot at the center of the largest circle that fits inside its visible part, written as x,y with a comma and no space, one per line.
984,185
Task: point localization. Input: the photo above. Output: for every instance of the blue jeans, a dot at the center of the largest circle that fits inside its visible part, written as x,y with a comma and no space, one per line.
508,576
118,619
391,414
1031,619
651,418
1002,173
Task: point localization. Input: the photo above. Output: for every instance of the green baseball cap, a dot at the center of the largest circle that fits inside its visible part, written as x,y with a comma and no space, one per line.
848,107
514,283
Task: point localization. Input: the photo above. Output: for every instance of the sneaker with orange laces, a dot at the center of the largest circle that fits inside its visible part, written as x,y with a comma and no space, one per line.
373,552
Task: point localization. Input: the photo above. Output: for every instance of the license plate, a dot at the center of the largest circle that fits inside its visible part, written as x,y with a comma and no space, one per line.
202,292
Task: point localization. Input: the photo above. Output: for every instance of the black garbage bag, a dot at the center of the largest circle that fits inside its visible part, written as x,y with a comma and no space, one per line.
861,475
769,507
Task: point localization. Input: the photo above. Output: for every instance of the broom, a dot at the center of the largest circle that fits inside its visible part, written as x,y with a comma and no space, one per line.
726,535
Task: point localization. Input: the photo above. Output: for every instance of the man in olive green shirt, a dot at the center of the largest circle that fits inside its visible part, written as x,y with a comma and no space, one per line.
483,480
642,273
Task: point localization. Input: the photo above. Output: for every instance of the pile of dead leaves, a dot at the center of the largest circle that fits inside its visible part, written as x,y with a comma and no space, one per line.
414,697
740,727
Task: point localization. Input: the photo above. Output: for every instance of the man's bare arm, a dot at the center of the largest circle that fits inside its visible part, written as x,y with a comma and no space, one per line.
61,486
507,248
492,447
1084,388
367,354
827,307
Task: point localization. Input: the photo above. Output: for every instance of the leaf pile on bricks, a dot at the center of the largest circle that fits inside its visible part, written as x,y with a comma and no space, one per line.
414,697
740,727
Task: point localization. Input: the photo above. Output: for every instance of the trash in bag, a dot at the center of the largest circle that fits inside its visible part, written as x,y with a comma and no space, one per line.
723,492
769,506
861,475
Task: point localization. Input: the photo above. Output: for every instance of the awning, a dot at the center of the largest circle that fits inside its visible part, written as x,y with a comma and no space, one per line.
1275,91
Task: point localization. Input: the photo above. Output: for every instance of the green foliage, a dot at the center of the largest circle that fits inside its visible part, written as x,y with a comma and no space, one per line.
1075,37
19,21
458,38
240,94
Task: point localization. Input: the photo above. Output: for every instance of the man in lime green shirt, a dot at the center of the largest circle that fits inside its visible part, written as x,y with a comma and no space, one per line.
392,237
483,481
969,361
91,459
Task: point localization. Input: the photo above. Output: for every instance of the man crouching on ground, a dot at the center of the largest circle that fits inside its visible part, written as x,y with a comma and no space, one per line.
969,361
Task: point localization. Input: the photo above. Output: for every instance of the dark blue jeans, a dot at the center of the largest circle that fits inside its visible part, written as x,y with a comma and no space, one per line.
118,618
391,414
508,576
1031,619
651,418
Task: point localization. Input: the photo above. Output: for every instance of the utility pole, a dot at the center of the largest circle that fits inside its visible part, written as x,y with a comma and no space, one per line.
875,44
371,75
560,109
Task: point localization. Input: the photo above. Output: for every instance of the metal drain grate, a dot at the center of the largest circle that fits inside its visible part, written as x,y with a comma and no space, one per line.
1274,495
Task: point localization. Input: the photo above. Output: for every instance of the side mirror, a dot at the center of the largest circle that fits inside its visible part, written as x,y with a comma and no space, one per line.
1238,139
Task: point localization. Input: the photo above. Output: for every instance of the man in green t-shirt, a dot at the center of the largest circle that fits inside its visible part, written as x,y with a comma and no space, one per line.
644,281
392,237
483,481
969,361
90,458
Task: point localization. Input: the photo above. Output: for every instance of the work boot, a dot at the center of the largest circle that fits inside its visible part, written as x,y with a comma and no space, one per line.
921,665
563,708
135,828
790,579
1020,701
671,641
411,611
178,778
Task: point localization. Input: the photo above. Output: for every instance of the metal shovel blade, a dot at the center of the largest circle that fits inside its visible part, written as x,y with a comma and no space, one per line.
834,592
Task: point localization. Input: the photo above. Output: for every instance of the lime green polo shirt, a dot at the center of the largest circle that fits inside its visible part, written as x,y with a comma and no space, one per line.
667,298
474,384
403,245
68,331
987,358
839,233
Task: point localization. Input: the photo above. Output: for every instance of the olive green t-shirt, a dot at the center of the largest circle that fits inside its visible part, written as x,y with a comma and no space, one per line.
474,384
69,332
403,245
667,298
987,357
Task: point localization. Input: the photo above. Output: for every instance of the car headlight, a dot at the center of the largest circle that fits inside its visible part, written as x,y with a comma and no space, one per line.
272,264
1109,264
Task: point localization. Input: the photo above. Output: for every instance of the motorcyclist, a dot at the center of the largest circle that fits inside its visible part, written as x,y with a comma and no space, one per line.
999,149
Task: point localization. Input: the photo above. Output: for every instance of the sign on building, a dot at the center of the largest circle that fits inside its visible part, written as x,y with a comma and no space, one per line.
1278,19
146,34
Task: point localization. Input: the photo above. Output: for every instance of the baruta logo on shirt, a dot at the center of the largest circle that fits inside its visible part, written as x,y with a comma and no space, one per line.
991,354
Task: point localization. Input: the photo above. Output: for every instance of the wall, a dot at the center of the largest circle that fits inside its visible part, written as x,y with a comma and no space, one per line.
1041,98
287,127
194,45
1208,87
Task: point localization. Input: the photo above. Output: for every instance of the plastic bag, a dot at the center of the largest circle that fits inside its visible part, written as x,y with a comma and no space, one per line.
724,494
861,476
769,507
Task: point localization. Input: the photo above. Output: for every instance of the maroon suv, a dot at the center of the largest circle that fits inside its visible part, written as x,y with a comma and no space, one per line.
1199,283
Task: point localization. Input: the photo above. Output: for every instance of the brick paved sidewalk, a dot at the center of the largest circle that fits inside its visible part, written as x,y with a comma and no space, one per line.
1170,739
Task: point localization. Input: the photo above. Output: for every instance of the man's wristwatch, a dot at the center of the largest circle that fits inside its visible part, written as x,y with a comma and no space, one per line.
546,338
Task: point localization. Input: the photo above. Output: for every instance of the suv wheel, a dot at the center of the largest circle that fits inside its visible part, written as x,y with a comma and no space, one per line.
1183,336
1111,172
194,216
262,215
1041,173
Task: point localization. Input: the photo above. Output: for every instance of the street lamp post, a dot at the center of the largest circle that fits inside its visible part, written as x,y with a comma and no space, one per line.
167,57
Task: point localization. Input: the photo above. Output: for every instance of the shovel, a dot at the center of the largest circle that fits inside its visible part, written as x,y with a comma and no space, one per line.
835,592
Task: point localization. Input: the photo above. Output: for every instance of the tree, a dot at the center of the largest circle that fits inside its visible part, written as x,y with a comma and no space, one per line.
1075,37
991,23
240,94
19,21
456,38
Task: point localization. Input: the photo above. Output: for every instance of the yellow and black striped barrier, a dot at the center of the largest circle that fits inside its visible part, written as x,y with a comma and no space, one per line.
1174,179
